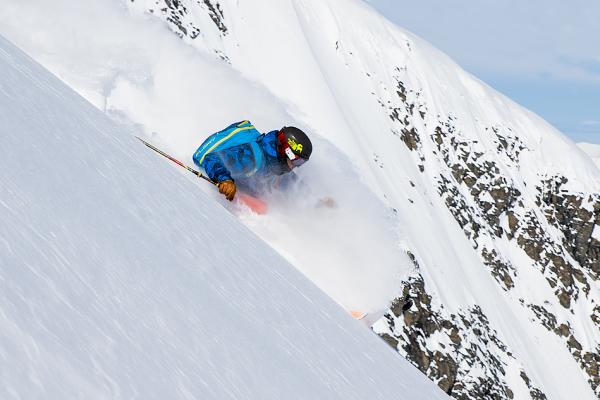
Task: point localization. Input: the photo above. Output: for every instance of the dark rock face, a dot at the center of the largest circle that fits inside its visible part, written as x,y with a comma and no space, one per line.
490,207
588,360
534,392
576,215
549,256
477,195
462,353
216,14
405,111
177,14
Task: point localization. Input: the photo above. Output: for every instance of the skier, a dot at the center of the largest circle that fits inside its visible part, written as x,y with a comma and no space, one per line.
240,156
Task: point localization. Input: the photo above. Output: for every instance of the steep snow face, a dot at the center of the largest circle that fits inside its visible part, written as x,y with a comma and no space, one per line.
115,287
496,211
497,208
140,73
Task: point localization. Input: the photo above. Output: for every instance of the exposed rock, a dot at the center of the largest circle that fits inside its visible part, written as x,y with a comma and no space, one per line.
390,340
410,138
488,207
546,317
588,360
550,259
500,269
402,112
591,363
562,330
467,341
491,197
176,13
216,14
507,143
574,344
534,392
576,215
596,316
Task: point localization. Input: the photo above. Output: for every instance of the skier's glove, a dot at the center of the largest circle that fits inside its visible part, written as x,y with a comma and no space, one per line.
227,188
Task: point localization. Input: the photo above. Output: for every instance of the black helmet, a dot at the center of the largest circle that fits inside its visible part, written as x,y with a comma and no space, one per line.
296,140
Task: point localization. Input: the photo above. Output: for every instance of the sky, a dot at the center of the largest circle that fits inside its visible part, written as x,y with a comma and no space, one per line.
544,54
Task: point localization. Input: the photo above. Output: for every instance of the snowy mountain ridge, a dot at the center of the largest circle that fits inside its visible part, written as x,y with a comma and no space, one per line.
496,213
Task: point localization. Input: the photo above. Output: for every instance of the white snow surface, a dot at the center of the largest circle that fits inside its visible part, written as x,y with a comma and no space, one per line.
323,65
592,150
180,96
119,278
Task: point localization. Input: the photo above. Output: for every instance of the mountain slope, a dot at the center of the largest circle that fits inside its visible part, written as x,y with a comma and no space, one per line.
592,150
500,230
496,212
120,279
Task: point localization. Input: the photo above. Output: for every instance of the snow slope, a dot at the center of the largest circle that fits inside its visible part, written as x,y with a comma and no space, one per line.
592,150
178,96
121,280
491,212
362,83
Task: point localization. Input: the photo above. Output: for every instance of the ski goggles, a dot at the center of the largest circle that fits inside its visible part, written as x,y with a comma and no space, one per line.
298,161
295,159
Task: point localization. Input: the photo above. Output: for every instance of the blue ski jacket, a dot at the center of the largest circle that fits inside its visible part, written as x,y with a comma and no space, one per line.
240,164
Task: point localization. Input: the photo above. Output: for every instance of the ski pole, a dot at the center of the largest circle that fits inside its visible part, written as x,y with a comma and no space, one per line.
162,153
253,203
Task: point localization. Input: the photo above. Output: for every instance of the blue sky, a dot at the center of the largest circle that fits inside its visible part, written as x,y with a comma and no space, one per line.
545,54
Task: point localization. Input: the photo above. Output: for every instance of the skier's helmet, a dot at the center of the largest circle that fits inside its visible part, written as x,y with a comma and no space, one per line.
294,145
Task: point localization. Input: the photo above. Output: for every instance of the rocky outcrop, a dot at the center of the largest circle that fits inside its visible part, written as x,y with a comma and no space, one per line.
490,208
589,360
461,352
535,393
216,14
577,216
478,195
177,13
404,107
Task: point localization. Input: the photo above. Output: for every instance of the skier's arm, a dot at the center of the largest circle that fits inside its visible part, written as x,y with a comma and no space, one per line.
215,169
218,173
